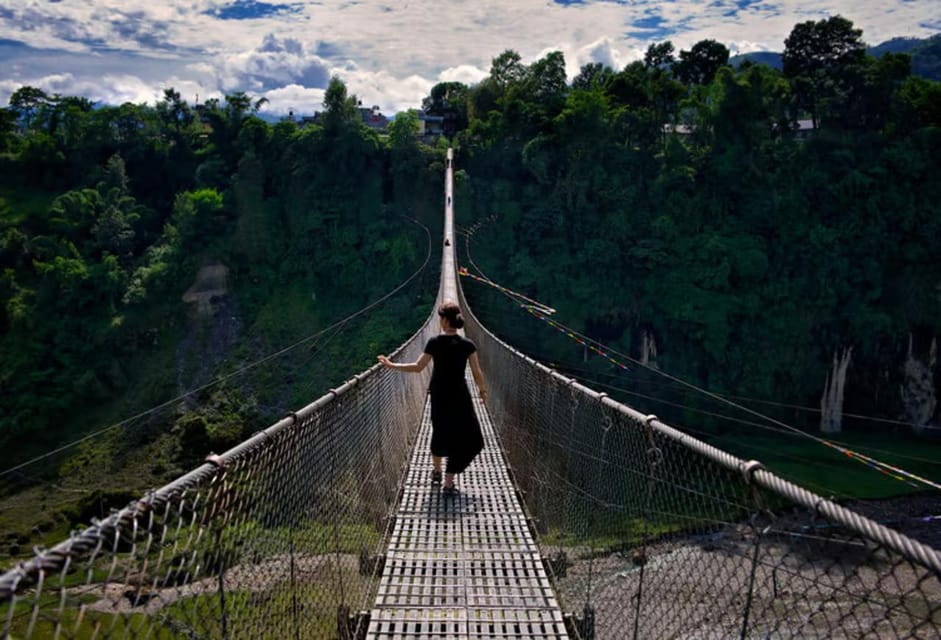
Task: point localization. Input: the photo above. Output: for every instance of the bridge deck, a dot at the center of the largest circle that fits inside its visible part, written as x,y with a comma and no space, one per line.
466,566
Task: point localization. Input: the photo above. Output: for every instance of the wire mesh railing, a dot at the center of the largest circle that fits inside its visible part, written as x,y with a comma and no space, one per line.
648,532
651,533
276,538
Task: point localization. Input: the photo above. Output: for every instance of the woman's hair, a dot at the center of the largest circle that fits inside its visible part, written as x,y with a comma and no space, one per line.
452,312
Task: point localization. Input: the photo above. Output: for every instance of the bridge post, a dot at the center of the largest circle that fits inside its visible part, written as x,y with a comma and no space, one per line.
293,585
581,626
751,585
352,626
222,564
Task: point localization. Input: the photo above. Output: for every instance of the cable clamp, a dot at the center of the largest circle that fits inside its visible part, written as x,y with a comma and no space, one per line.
217,460
749,469
290,414
648,428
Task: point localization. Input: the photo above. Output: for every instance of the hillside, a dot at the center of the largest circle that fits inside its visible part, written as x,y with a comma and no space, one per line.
174,277
925,53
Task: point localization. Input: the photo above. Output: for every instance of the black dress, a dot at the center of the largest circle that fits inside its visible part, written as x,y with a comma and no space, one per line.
455,431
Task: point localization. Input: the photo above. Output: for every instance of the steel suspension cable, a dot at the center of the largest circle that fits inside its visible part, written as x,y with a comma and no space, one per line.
542,312
242,369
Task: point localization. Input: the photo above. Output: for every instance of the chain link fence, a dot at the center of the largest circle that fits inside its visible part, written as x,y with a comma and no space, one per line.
651,533
276,538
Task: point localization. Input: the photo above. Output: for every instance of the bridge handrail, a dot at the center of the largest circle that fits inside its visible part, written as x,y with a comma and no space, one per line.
82,542
752,470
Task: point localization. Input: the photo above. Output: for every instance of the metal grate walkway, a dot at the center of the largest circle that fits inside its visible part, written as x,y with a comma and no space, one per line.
467,566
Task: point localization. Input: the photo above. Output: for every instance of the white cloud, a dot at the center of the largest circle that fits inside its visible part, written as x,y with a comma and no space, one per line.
276,62
390,93
294,98
389,53
466,73
109,89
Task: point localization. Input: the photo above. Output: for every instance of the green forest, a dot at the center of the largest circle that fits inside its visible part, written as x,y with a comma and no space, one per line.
741,228
752,224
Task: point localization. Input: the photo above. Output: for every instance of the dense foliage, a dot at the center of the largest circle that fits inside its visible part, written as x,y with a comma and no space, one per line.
675,199
676,202
107,215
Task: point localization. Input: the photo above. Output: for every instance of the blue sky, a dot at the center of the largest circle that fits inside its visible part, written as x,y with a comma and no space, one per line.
389,53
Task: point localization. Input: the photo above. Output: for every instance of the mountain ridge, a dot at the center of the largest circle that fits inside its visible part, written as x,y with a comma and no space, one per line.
925,52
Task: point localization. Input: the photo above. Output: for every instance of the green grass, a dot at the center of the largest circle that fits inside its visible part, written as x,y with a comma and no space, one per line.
829,472
265,609
273,613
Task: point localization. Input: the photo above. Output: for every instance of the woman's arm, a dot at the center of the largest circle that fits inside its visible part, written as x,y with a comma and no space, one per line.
418,365
478,376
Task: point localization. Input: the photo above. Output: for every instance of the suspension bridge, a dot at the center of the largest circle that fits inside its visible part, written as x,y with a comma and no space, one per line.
582,518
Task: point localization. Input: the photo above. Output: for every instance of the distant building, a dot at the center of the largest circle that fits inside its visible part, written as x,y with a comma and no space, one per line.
430,127
802,129
805,129
679,129
373,118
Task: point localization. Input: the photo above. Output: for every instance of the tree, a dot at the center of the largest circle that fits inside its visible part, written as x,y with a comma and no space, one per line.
659,54
545,83
815,54
339,108
113,230
405,156
594,75
26,102
506,70
174,112
403,131
7,129
449,100
700,64
869,90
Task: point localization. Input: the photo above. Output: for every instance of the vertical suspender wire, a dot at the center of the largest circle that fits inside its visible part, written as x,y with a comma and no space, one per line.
215,519
222,561
335,463
751,582
588,621
654,456
756,497
294,619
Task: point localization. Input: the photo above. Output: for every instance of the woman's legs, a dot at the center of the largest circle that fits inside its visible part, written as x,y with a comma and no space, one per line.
436,462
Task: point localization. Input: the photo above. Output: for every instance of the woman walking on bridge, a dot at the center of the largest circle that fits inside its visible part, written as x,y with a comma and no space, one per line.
455,431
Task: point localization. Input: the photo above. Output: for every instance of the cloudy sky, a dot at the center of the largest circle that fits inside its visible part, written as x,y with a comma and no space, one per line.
389,53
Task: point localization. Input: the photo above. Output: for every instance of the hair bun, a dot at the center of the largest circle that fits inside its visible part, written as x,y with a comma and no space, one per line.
452,313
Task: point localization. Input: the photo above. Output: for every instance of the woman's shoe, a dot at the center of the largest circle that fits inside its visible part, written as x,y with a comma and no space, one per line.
449,491
435,476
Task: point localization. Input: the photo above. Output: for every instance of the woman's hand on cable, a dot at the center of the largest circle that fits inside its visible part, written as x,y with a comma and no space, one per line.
385,361
483,394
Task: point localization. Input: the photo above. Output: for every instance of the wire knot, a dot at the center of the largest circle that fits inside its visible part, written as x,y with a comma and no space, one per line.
217,460
749,469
